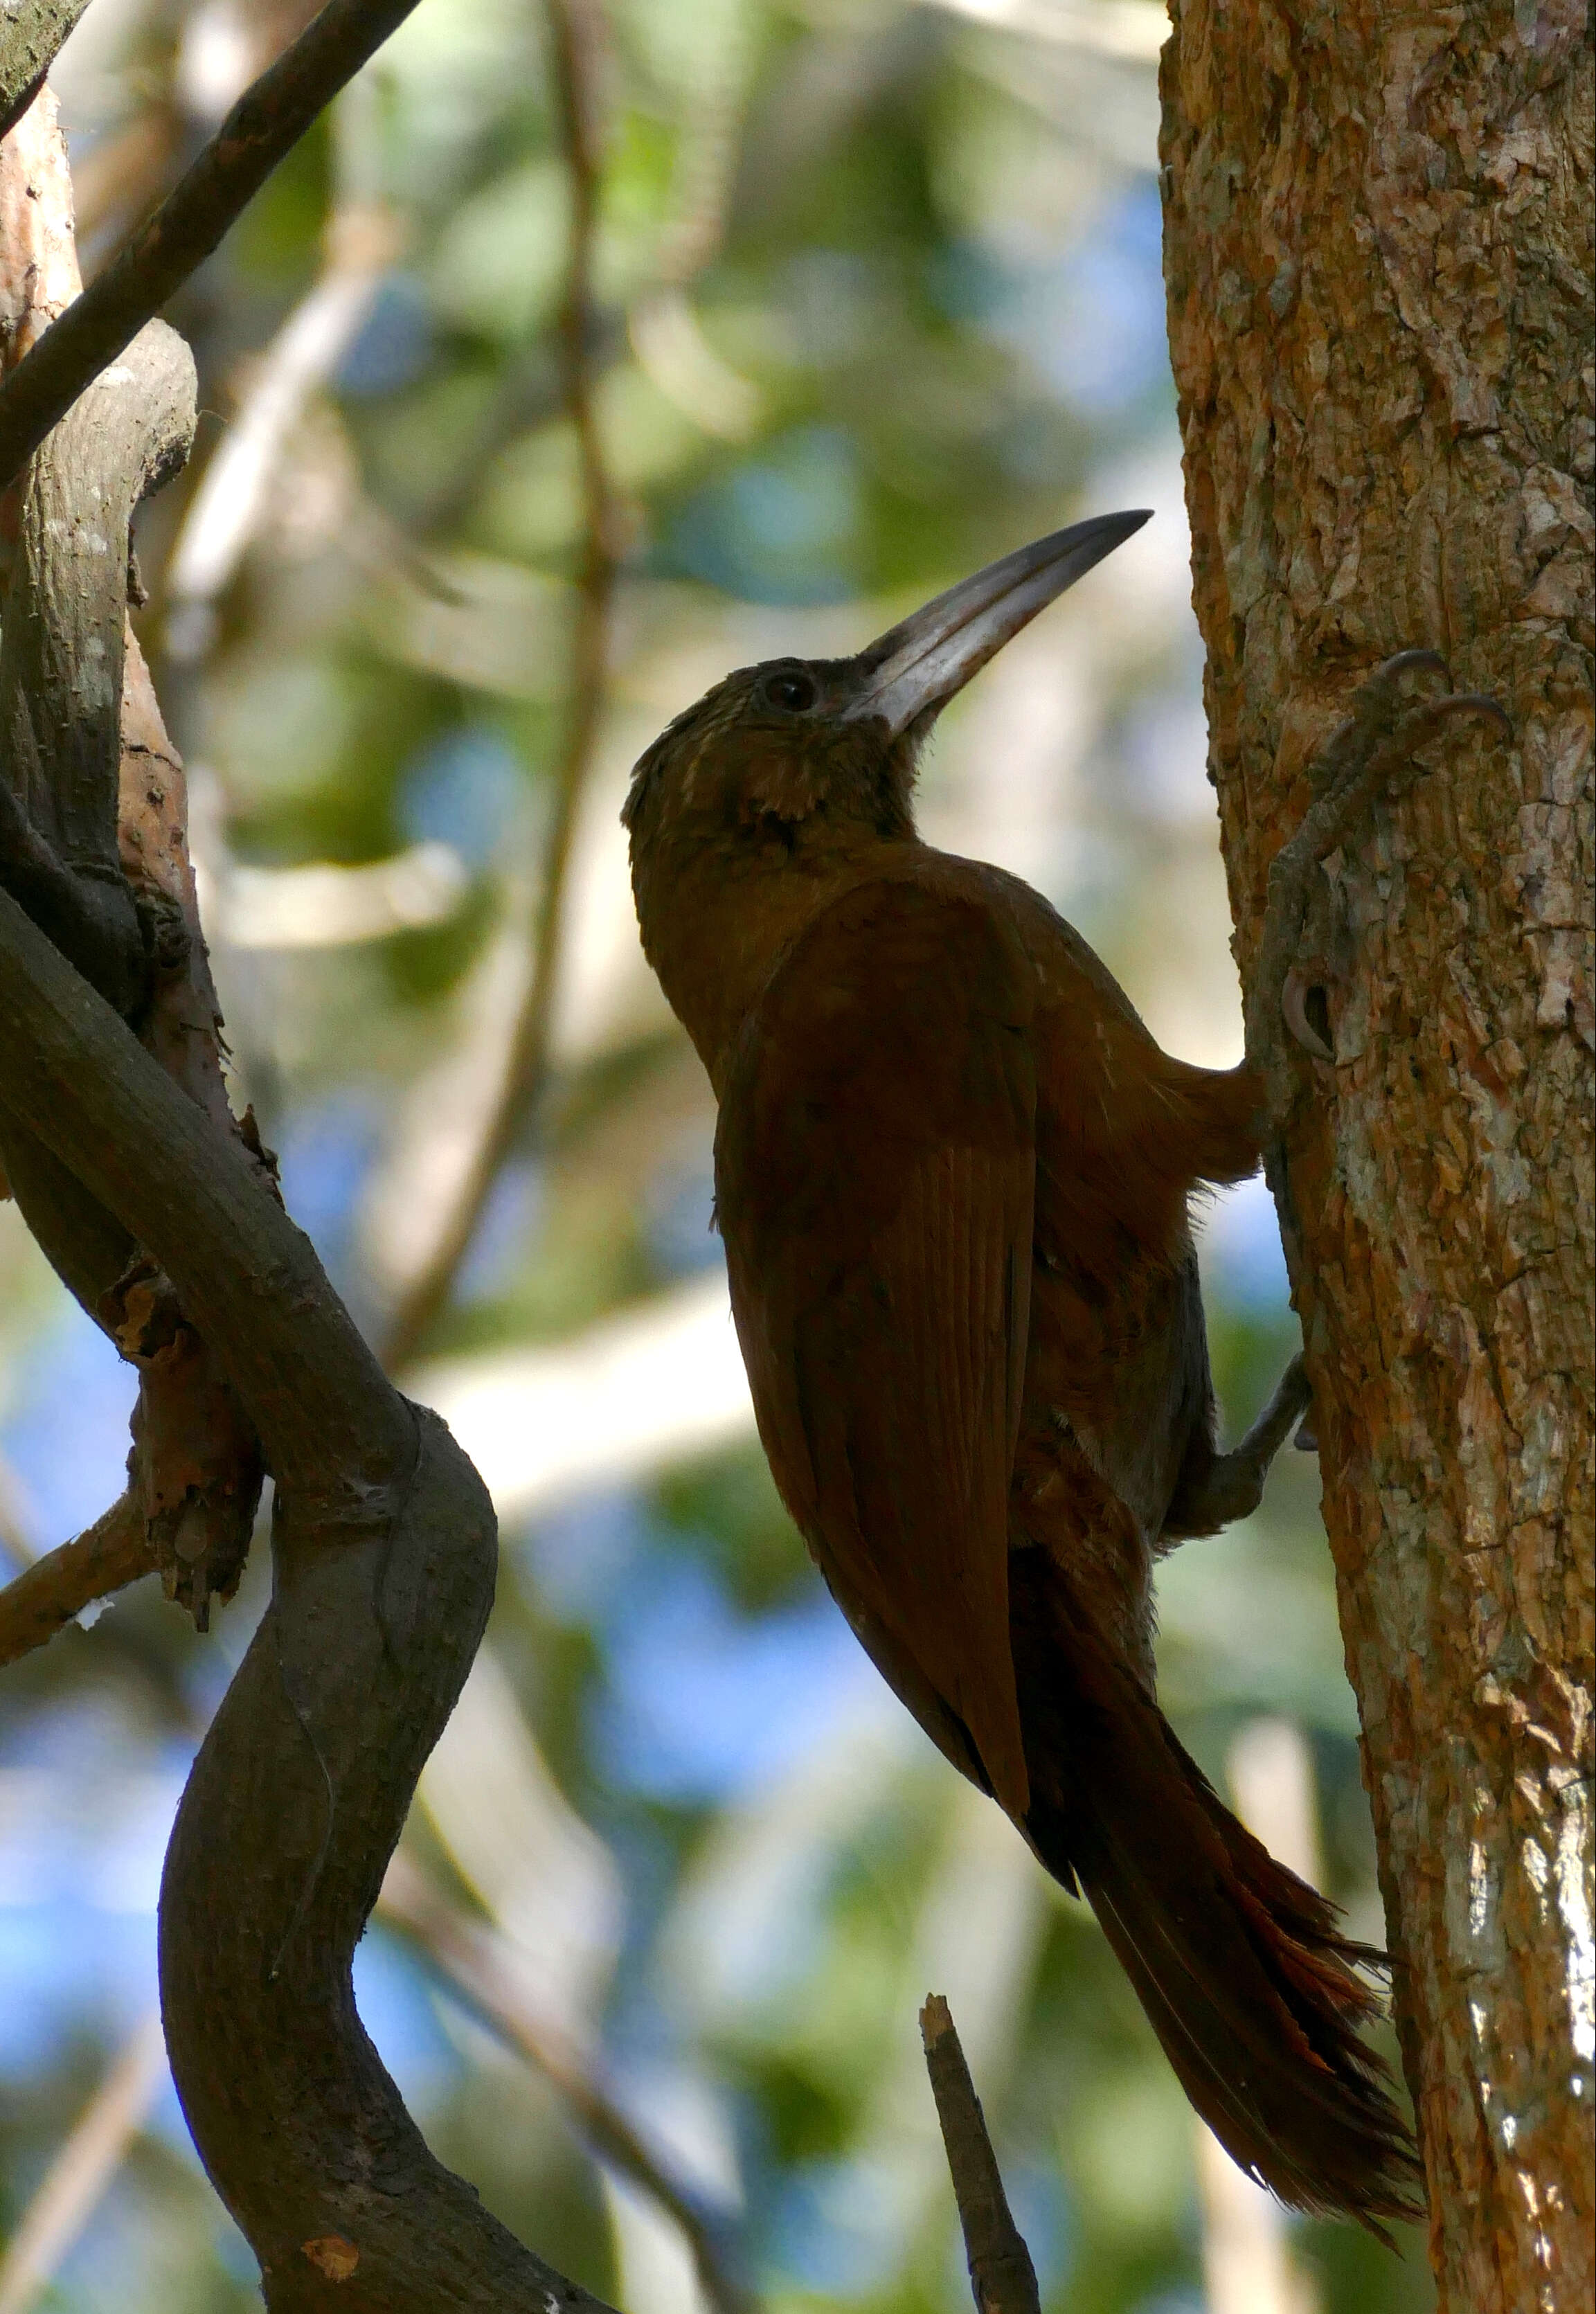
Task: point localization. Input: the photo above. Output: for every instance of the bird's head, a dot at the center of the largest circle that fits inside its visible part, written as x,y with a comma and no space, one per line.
806,758
782,785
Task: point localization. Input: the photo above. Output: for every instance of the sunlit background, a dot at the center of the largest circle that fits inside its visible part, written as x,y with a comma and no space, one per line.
880,300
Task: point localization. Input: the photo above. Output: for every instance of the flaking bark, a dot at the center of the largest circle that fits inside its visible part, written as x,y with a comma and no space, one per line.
1379,263
93,841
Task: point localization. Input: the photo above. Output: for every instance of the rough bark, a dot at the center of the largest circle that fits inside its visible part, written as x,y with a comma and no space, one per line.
93,841
383,1565
62,649
383,1539
1377,243
30,36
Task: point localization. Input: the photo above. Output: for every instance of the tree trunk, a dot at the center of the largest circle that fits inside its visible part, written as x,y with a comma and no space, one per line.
1378,242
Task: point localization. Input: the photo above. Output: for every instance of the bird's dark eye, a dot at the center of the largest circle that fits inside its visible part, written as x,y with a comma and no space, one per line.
793,691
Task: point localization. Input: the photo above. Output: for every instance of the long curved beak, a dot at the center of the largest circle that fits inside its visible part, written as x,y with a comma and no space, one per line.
915,667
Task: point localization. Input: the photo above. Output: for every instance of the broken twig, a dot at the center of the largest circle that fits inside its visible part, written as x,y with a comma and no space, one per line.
52,1593
1001,2275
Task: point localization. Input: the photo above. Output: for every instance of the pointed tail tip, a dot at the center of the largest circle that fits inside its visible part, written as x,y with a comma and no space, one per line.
1240,1966
1351,2156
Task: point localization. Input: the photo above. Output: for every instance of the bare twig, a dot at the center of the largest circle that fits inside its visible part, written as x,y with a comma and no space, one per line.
1001,2275
575,27
29,37
266,121
71,2188
47,1595
473,1958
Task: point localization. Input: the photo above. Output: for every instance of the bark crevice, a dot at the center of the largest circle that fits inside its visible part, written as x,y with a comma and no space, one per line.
1378,248
94,844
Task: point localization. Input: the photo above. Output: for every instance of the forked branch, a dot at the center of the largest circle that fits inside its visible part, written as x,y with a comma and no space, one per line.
383,1550
385,1538
268,120
94,844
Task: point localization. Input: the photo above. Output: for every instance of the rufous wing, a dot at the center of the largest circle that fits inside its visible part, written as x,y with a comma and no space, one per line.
875,1175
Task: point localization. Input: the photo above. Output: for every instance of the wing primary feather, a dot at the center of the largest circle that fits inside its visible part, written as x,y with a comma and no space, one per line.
874,1177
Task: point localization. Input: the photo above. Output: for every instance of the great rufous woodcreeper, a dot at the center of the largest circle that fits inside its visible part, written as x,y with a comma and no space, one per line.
954,1172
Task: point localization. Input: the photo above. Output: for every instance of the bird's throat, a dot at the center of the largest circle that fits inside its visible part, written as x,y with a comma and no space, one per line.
716,923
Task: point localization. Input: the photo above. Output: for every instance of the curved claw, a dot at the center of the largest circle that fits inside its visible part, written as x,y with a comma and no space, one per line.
1407,662
1478,703
1375,703
1420,725
1293,1004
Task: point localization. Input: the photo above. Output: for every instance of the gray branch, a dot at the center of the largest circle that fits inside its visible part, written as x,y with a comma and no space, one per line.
268,120
61,656
384,1553
29,37
68,820
1001,2275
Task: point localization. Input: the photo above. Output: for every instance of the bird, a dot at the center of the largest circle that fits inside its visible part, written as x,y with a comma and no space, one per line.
955,1176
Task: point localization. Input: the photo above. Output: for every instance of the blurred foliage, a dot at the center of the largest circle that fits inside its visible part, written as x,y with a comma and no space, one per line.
881,298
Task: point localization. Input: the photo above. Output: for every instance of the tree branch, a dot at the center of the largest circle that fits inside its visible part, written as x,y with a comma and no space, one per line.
61,656
575,28
30,38
471,1956
1001,2275
93,843
196,1200
268,120
56,1589
384,1555
384,1540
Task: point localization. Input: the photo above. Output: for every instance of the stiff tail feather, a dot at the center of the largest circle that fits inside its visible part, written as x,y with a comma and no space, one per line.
1249,1987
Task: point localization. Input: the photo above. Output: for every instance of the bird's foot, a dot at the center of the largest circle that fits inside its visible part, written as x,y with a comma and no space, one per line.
1371,753
1231,1486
